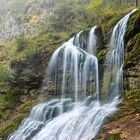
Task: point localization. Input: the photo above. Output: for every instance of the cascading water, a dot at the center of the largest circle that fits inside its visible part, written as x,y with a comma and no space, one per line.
73,75
115,58
92,41
75,71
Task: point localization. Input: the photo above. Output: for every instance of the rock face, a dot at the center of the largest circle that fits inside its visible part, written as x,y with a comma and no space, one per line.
132,64
132,54
127,128
23,17
132,80
125,124
29,74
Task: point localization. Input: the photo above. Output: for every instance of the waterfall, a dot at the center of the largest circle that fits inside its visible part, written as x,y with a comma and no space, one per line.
115,58
92,41
78,70
73,75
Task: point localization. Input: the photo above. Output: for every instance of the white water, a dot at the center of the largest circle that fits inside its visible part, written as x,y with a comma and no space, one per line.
73,73
92,41
81,123
115,59
78,66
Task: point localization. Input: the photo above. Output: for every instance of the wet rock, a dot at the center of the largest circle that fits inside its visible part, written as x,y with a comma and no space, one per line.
126,128
29,73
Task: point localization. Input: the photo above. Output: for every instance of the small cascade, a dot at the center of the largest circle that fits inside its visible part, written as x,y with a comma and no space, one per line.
115,58
92,41
39,116
81,123
73,76
71,67
77,40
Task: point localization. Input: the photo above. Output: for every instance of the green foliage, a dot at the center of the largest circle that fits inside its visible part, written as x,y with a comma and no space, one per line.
7,50
133,50
132,22
4,73
21,42
12,125
6,103
66,14
3,103
27,106
113,137
8,128
132,100
102,55
19,118
100,9
28,46
17,8
68,18
105,10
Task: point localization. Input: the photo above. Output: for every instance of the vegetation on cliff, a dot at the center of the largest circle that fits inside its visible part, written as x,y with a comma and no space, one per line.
24,56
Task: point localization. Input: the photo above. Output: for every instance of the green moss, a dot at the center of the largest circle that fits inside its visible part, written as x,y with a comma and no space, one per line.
4,114
27,106
3,103
7,101
7,50
12,126
24,48
110,21
28,46
7,129
114,19
132,49
4,73
131,24
132,100
101,55
113,137
19,118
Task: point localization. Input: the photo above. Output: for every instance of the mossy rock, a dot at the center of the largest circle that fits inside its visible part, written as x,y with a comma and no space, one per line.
8,128
113,137
101,55
13,124
133,25
19,118
110,21
6,103
84,37
132,100
27,106
132,51
105,135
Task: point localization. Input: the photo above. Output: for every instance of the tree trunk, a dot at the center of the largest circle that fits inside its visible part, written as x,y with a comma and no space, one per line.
120,2
136,3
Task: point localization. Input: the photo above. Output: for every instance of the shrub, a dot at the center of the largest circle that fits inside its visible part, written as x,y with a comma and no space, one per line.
104,9
4,73
21,43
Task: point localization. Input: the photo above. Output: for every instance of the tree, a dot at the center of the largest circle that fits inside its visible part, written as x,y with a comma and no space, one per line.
136,3
67,13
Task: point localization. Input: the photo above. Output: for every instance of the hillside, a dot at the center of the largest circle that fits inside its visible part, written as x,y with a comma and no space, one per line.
30,31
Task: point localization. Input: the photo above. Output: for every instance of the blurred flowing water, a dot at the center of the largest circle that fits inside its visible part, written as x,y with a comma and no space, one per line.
73,75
